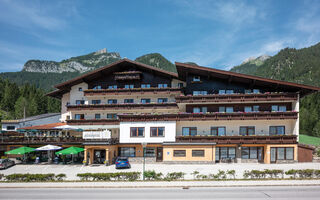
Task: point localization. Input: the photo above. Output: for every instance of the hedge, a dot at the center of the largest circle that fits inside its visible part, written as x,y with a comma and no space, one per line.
34,177
126,176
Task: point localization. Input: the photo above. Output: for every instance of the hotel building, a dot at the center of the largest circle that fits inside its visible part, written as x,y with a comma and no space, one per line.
197,115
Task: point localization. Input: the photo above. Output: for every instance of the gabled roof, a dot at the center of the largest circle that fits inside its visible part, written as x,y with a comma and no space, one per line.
65,86
36,117
184,68
44,126
87,76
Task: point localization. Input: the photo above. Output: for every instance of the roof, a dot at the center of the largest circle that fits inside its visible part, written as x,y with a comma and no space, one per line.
44,126
183,68
36,117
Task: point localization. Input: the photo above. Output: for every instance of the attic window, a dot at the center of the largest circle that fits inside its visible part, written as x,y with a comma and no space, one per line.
196,78
80,89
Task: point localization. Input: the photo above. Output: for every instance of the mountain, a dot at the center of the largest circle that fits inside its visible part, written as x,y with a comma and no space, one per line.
250,65
294,65
75,64
46,74
157,60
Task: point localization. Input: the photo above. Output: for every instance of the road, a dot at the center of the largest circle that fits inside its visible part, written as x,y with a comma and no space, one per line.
277,192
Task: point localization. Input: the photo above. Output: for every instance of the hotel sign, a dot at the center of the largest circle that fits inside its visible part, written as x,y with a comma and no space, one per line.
106,134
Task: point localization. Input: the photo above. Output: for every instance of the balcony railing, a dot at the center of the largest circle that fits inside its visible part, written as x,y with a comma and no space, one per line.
128,91
41,140
211,116
92,121
237,97
281,139
101,141
122,106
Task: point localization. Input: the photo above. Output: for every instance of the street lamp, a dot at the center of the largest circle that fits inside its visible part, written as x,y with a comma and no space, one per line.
144,144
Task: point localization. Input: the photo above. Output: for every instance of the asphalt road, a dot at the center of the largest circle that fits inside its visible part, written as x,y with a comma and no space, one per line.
277,192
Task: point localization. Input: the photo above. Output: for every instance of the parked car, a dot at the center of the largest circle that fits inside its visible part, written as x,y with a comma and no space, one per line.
122,162
5,163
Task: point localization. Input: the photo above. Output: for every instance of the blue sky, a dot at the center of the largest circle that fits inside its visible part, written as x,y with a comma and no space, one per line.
217,34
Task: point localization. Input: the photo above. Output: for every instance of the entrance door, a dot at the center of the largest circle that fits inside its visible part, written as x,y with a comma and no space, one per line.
99,156
273,155
260,154
159,154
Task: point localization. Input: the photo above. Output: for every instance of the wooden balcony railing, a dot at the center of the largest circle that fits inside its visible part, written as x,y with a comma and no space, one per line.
129,91
93,122
126,106
283,139
211,116
237,97
41,140
101,141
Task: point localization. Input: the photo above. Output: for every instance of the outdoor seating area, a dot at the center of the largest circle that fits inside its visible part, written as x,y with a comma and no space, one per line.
48,154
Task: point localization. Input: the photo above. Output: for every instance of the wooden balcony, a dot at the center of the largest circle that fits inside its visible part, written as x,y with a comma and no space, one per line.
123,106
211,116
109,141
237,97
93,122
129,91
41,140
283,139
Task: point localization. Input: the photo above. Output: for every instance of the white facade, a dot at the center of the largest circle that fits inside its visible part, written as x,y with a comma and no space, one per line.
169,135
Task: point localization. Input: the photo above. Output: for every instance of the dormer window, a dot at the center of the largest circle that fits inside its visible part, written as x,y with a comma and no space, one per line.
247,91
256,91
180,85
80,89
196,78
162,85
222,92
229,91
195,93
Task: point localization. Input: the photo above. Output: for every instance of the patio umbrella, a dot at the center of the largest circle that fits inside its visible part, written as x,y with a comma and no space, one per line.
20,151
70,150
48,148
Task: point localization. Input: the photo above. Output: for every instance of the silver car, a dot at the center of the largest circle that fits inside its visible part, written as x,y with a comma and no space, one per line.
5,163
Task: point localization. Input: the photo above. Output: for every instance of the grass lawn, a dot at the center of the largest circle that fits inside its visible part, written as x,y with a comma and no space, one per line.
306,139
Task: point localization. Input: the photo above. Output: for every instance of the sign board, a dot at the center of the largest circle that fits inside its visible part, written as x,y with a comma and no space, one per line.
106,134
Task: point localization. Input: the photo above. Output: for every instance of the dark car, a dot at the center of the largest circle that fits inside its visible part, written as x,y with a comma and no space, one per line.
122,162
5,163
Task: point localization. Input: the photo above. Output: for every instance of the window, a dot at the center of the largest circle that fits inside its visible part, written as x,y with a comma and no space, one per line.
197,153
180,85
112,87
282,108
247,130
196,110
229,91
79,102
145,100
97,87
128,101
247,91
218,131
189,131
225,153
162,85
156,131
276,130
127,151
200,93
255,108
204,109
97,116
282,153
162,100
137,131
112,101
251,109
228,109
276,108
256,91
111,116
150,152
145,85
96,101
252,153
11,128
79,116
179,153
80,89
222,91
196,78
129,86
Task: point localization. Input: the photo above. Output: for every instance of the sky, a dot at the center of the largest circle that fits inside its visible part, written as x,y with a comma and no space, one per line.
218,34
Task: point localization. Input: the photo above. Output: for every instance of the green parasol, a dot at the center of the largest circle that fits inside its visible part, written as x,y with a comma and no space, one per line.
70,150
20,151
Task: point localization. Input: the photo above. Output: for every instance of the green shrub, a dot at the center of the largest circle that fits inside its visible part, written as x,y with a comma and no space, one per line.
1,176
318,152
128,176
174,176
195,174
292,173
152,175
30,177
231,173
305,173
60,177
317,173
85,176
